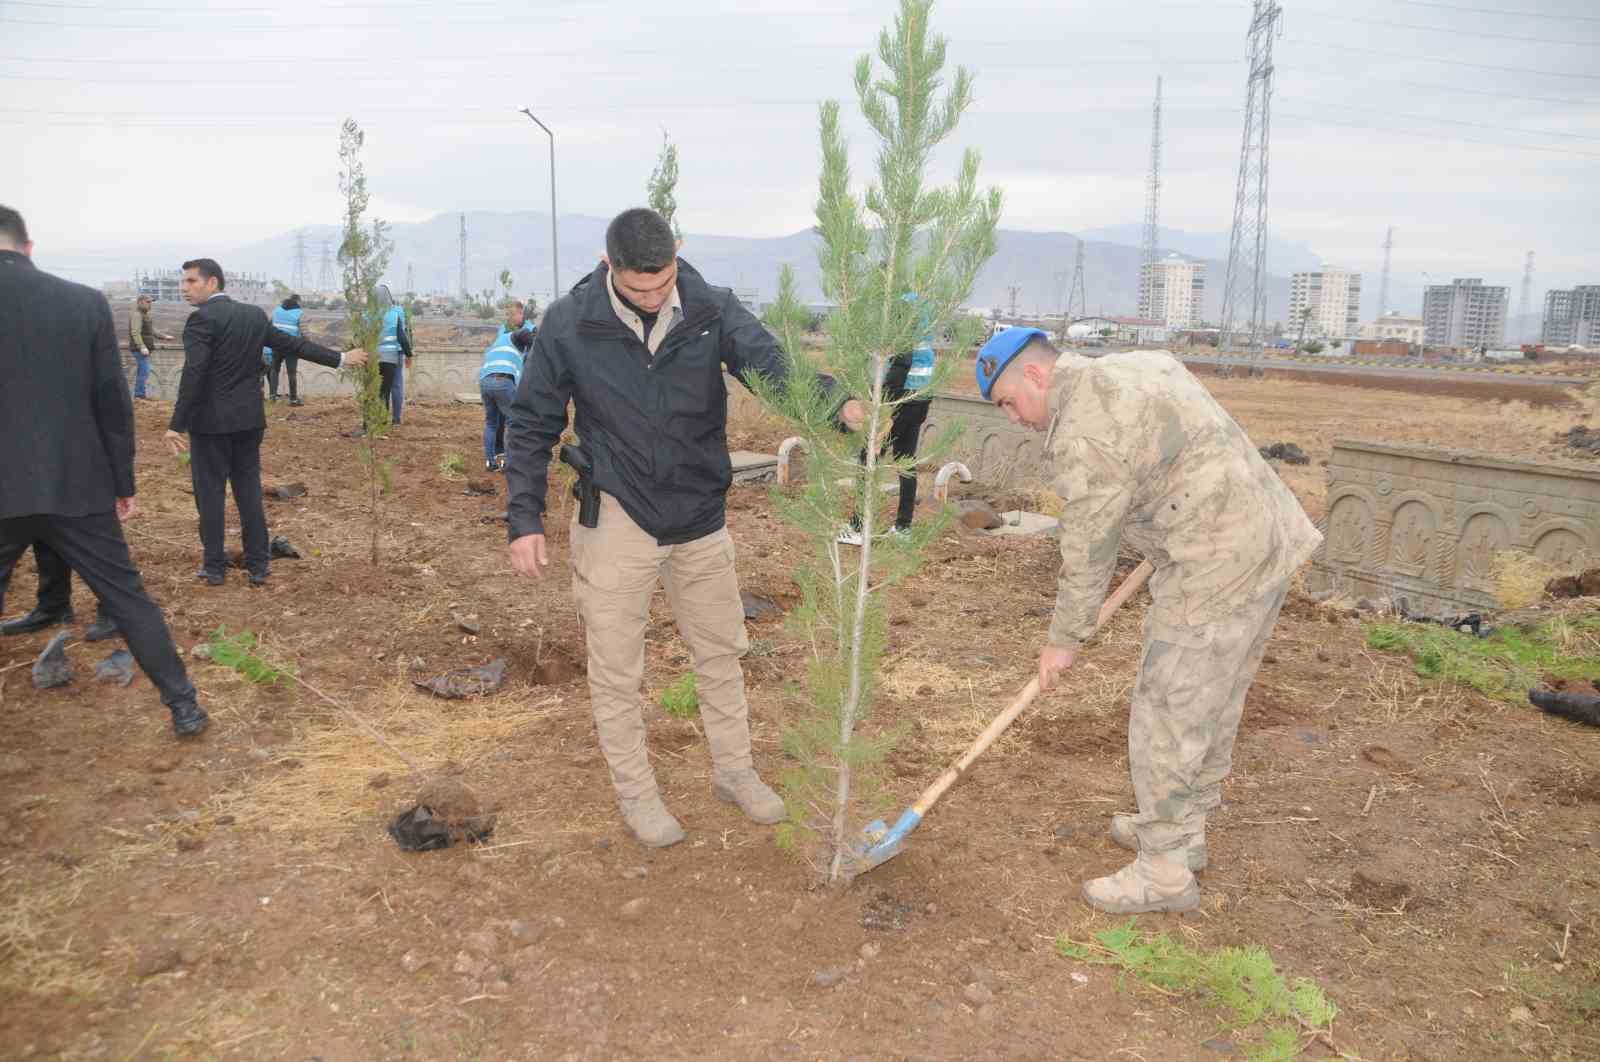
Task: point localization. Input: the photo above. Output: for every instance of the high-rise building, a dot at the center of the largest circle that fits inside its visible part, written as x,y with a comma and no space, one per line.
1333,296
1464,313
1572,317
1171,291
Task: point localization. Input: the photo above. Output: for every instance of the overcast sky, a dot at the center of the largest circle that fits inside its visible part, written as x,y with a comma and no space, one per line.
1473,126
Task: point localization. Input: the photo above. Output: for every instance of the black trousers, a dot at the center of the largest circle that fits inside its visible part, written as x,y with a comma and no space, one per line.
386,381
905,431
280,363
231,458
93,547
55,582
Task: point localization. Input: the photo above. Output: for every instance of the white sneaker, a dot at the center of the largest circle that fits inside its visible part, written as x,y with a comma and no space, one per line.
850,536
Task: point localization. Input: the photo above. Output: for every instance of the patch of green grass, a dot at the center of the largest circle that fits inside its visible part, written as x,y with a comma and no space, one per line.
1243,983
680,699
183,458
1574,992
1507,663
452,465
238,652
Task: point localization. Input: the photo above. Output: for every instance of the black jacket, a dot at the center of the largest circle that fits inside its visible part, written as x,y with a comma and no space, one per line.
66,448
656,430
221,387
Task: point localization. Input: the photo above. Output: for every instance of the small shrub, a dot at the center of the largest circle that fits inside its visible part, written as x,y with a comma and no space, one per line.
237,651
452,465
1256,1001
680,699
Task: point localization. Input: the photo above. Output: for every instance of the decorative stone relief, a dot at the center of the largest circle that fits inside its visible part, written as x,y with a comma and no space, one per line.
1434,519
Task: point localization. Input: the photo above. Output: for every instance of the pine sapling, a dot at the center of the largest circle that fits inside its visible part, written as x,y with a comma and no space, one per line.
662,187
897,261
364,255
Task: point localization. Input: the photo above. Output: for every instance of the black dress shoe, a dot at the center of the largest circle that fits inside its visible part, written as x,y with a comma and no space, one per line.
37,620
101,629
189,719
211,578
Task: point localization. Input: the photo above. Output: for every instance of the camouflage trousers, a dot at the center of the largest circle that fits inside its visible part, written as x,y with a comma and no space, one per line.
1186,708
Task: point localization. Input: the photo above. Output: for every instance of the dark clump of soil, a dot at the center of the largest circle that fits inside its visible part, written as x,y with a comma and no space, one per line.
884,911
1570,788
556,668
1582,440
1380,895
1586,584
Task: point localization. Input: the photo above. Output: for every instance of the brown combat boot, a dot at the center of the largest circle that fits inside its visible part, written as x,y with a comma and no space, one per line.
746,789
1148,884
650,821
1122,833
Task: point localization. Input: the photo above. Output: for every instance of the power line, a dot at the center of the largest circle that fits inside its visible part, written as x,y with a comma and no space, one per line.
1499,11
1431,59
1445,139
1342,17
1567,100
1449,121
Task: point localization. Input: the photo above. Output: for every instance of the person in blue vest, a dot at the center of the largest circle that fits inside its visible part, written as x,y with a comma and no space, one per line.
286,319
394,342
904,373
497,383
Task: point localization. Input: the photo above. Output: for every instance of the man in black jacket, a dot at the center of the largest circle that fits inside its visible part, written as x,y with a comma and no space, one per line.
66,456
639,347
219,405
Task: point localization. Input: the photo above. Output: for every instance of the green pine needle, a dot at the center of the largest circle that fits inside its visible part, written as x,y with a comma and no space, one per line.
237,651
1242,983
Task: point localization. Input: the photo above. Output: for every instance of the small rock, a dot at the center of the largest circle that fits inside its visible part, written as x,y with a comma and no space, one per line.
161,764
259,755
869,950
201,651
978,515
931,908
523,933
557,922
469,624
756,607
498,988
11,763
988,1013
1221,1047
378,781
1520,1016
468,965
159,960
602,844
482,942
367,919
190,842
636,873
471,873
978,994
226,820
633,910
410,963
1079,978
829,976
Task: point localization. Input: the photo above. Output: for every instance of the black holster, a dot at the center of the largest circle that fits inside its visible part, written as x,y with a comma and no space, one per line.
584,490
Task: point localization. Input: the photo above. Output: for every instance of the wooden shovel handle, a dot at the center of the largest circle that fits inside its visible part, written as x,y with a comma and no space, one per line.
1024,698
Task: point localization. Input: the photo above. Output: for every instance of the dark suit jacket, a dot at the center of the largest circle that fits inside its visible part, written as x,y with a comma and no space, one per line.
221,387
66,420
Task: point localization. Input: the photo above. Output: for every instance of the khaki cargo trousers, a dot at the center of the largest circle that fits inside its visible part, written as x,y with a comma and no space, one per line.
1186,709
615,570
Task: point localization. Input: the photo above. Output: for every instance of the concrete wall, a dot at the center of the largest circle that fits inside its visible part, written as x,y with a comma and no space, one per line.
434,374
997,453
1424,523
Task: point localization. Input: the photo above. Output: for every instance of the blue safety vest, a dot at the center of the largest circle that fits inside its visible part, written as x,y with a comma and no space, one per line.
502,356
284,321
921,372
389,337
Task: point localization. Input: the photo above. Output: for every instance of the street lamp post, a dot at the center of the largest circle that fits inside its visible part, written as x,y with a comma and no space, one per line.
555,260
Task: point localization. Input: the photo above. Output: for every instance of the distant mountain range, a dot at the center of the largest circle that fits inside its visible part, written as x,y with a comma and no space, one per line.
1038,264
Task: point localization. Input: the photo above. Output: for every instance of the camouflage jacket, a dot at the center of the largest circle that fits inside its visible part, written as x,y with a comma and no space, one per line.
1140,450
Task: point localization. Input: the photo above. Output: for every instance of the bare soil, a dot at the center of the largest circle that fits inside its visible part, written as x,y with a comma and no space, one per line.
1427,856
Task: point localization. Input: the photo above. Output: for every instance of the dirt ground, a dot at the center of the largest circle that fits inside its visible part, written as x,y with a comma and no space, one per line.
1427,856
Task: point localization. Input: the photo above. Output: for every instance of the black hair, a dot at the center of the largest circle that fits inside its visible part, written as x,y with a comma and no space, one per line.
12,226
640,241
207,268
291,303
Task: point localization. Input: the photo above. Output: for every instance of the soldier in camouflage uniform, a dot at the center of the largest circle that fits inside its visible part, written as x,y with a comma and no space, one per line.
1140,452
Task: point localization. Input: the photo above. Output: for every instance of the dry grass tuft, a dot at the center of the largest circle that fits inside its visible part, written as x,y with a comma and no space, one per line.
1520,578
321,783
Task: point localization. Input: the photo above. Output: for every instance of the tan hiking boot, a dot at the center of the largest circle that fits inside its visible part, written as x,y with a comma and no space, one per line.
650,821
1147,884
746,789
1122,833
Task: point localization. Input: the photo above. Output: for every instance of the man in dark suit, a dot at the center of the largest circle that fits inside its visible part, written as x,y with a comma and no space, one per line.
220,407
66,456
